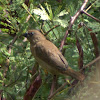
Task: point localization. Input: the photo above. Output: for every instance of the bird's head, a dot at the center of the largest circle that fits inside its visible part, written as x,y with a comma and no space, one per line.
34,36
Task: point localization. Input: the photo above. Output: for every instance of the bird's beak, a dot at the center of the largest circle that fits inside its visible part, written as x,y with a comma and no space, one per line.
25,34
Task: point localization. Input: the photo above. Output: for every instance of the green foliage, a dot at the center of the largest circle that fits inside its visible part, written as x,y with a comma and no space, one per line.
95,26
16,18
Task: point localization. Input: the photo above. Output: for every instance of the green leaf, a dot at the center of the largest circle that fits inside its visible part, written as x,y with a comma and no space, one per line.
95,26
63,23
49,10
42,13
62,13
25,6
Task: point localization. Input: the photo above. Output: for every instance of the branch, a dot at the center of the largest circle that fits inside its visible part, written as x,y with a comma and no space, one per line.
59,89
51,29
11,44
91,63
72,22
83,11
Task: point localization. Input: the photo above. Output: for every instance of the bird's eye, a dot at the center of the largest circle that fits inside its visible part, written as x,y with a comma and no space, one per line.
31,33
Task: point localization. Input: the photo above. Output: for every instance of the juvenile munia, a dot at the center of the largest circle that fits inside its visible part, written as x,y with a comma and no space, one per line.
48,56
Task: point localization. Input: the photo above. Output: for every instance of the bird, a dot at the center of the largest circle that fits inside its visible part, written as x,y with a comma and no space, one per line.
48,55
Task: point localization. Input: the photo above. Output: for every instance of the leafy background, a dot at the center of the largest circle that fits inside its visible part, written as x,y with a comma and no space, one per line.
18,16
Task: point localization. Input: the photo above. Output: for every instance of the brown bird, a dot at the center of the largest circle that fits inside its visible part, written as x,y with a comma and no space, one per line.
48,55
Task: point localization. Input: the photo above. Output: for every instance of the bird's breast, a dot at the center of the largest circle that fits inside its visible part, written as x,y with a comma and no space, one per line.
47,67
43,64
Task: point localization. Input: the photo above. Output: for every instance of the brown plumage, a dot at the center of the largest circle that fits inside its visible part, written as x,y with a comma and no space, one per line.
48,55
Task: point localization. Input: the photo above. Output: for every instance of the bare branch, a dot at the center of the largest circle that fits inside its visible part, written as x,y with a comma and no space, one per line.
11,44
72,22
91,16
59,89
51,29
91,63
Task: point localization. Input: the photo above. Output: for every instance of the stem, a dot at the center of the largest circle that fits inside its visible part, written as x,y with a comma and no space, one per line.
91,63
91,16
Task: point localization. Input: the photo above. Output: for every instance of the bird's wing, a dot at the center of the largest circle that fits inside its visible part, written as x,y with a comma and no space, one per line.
49,53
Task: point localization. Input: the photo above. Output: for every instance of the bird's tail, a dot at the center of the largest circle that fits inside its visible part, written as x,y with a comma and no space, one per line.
74,74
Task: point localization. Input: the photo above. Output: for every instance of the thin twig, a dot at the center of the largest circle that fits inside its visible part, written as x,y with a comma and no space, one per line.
51,29
11,44
91,16
52,86
90,5
91,63
58,90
